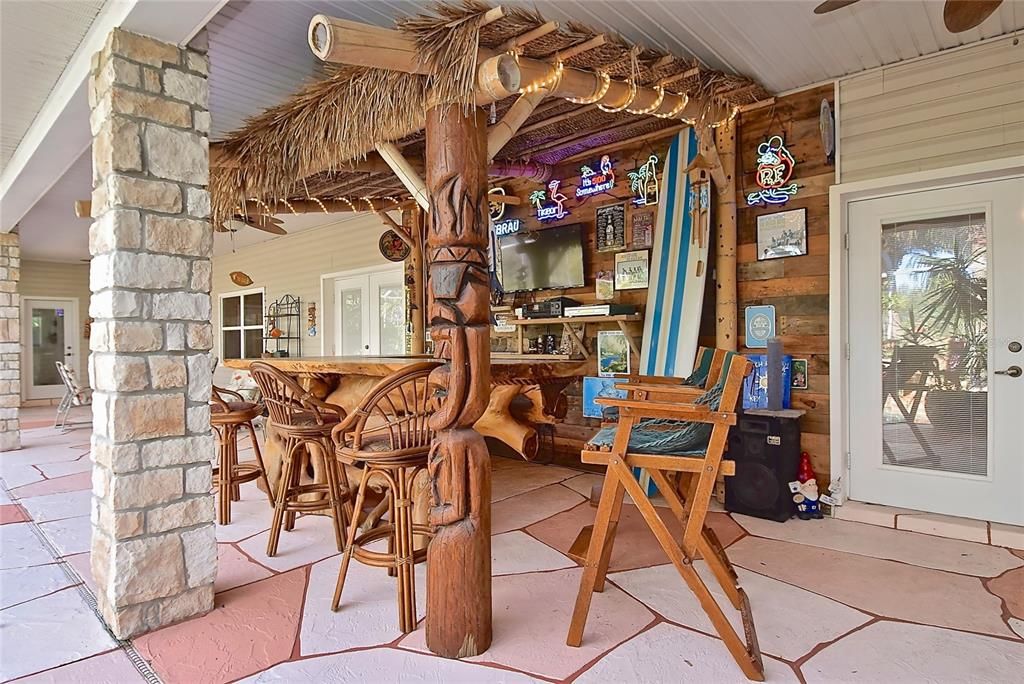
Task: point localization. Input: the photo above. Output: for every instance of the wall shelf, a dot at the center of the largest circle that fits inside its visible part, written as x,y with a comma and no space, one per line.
578,340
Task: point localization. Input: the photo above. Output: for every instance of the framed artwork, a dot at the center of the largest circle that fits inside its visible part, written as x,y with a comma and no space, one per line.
798,376
782,234
611,227
596,388
604,285
612,353
631,270
643,230
392,247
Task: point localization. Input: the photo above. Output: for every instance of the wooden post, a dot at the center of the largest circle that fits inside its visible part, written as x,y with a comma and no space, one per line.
459,555
725,254
413,220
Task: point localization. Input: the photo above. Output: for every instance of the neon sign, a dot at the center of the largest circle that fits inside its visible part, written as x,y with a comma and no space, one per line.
495,207
643,182
593,183
774,169
542,201
507,227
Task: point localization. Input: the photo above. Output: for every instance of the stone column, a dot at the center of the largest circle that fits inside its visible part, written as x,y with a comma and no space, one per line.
10,342
154,552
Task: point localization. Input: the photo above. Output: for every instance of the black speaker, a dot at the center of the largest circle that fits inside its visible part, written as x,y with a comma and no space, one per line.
766,450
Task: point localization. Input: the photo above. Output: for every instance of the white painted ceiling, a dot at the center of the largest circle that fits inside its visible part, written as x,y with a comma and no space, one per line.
38,39
259,56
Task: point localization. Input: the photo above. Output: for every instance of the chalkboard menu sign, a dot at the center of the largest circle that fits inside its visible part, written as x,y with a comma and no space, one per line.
611,227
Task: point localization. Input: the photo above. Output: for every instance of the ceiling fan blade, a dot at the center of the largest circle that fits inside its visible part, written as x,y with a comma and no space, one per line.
832,6
268,224
963,15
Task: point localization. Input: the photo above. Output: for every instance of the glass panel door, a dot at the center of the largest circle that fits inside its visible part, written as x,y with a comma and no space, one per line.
50,326
352,329
389,334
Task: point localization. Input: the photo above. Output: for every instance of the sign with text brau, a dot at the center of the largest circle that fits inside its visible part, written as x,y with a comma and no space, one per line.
760,325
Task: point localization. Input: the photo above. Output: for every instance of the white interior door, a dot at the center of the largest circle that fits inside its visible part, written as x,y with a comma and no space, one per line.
936,326
49,330
352,316
387,313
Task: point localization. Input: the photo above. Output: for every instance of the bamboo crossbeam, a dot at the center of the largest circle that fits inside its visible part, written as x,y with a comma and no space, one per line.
524,38
412,180
578,49
500,133
341,41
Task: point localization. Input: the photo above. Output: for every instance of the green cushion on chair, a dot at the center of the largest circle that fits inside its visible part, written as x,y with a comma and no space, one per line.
665,437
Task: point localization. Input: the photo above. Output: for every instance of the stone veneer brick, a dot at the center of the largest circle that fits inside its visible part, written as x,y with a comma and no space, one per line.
153,545
10,342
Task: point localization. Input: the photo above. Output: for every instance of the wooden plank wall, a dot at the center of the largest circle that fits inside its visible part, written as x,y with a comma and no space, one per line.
796,286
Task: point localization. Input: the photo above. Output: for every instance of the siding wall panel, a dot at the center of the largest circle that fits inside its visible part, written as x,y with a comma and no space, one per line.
65,280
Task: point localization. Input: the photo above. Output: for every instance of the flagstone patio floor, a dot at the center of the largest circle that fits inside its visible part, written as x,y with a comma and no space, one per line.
833,600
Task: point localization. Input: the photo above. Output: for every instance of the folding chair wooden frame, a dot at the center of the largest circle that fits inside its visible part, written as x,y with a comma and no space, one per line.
697,537
665,388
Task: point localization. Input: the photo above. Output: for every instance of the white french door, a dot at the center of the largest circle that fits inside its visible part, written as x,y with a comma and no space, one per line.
370,314
936,324
49,331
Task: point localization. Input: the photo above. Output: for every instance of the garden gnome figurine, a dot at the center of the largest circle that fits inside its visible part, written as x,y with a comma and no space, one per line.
806,495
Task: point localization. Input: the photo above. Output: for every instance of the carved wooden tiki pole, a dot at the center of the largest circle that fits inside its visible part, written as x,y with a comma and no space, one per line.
459,556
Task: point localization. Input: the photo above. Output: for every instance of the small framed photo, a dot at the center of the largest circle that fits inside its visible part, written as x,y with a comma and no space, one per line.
798,376
631,270
782,234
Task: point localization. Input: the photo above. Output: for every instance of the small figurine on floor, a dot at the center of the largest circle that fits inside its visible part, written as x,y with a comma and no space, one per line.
805,491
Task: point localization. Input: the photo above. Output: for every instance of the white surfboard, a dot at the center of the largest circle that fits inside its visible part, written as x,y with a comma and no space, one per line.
679,266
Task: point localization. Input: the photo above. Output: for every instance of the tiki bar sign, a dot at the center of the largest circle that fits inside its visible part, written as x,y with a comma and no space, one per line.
594,183
774,170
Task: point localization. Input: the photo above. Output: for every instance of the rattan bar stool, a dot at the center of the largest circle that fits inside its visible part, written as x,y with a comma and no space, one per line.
389,436
227,416
305,422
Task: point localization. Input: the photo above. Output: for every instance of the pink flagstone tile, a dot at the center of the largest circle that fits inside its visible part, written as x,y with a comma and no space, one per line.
584,483
368,615
635,544
82,565
68,483
13,513
666,653
234,569
531,620
387,665
49,631
944,526
878,542
107,668
1010,587
509,478
18,585
517,552
1007,535
895,652
70,535
249,516
780,610
18,475
62,468
882,587
526,509
250,629
21,548
312,540
58,506
1017,625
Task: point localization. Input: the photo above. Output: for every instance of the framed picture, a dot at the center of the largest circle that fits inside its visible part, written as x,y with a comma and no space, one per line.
631,270
596,388
782,234
604,287
611,227
612,353
798,376
643,230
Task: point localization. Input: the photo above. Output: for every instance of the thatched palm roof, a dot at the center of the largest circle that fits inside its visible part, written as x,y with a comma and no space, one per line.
299,148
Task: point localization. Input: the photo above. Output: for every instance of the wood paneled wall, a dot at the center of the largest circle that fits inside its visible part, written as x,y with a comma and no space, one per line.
796,286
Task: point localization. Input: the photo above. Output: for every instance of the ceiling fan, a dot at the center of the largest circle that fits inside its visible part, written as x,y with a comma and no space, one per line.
958,15
264,222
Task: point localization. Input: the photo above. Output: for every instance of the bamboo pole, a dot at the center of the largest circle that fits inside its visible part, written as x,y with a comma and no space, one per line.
500,133
412,181
412,218
725,255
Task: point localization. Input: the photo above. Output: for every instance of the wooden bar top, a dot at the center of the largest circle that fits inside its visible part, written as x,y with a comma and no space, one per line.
504,370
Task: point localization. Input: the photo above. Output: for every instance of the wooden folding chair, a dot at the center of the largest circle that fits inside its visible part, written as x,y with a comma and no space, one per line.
670,437
706,370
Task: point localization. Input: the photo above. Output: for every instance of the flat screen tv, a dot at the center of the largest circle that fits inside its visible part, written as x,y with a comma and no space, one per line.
548,259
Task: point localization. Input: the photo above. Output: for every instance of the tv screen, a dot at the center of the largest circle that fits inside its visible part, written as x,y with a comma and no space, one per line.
546,259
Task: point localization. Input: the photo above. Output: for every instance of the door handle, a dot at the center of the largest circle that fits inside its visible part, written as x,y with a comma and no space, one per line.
1012,371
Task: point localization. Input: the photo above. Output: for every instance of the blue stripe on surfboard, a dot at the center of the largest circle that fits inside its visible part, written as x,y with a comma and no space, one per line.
682,264
666,241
